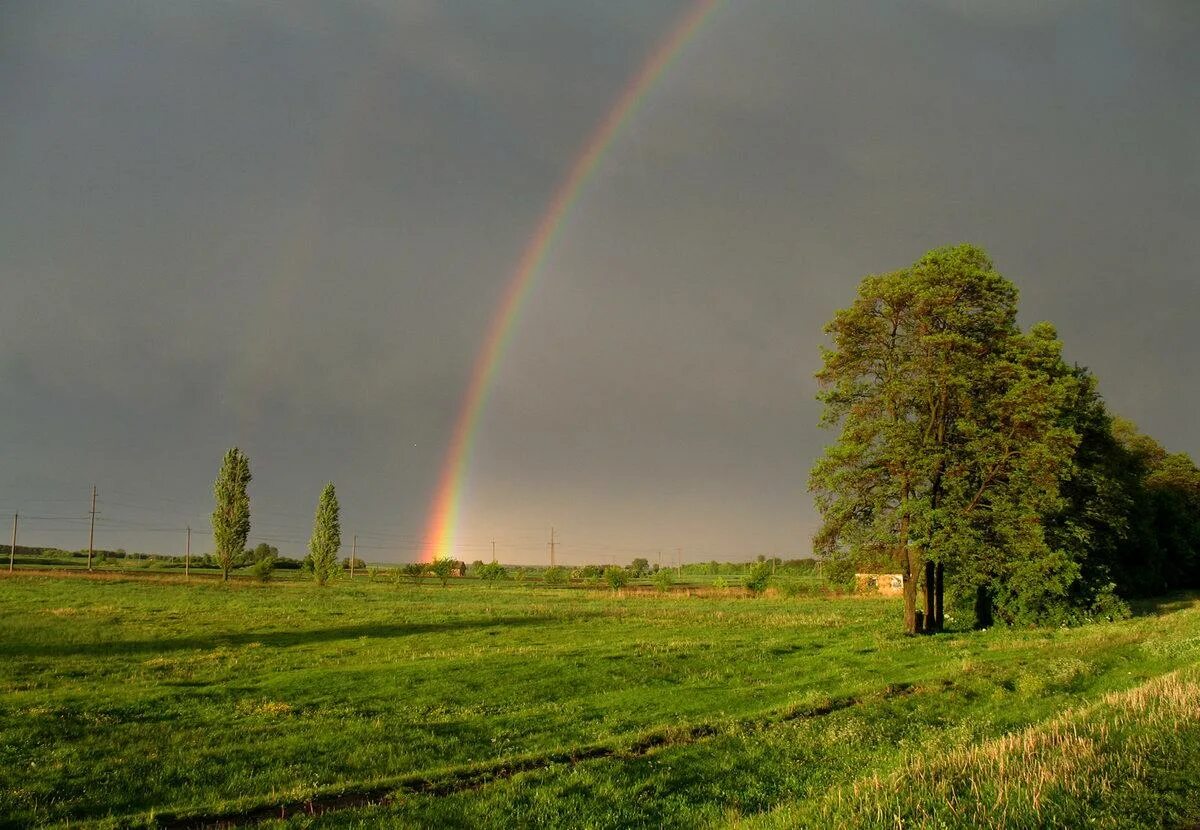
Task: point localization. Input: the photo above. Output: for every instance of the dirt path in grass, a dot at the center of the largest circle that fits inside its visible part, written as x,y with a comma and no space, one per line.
464,780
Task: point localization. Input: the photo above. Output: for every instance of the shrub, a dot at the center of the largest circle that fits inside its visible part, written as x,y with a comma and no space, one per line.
372,573
414,571
554,575
490,571
443,568
663,580
758,578
615,578
720,583
262,569
1108,606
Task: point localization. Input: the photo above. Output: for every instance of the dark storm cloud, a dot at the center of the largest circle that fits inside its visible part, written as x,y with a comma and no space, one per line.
287,225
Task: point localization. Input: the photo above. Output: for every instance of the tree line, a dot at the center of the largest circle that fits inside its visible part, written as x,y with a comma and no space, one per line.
988,471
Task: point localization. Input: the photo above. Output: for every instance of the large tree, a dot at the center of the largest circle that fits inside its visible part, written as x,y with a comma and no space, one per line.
326,538
952,441
231,518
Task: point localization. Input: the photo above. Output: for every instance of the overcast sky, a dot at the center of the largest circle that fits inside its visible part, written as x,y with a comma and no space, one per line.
286,226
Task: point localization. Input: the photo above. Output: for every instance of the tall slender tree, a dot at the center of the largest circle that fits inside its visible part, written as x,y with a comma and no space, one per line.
231,518
326,536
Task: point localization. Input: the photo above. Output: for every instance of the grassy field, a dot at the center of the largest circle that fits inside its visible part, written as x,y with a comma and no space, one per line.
151,702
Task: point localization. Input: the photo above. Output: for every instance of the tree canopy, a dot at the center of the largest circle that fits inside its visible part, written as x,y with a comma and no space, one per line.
973,459
231,518
326,536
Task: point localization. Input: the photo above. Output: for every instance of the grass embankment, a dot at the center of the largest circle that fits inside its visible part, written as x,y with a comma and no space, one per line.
498,706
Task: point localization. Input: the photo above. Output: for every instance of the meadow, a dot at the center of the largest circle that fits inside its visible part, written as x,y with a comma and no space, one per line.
147,701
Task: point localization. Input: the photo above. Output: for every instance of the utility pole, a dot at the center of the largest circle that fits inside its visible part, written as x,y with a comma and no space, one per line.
12,552
493,551
679,560
660,560
92,528
187,554
353,555
551,547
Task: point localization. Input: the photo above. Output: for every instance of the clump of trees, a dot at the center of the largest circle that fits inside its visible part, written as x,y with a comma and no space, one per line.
973,459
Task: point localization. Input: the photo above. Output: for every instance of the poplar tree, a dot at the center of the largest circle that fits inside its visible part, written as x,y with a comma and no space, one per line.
326,536
952,440
231,518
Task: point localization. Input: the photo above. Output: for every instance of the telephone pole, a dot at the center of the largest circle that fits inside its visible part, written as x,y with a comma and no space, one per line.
353,555
92,528
551,547
679,560
12,552
187,554
493,551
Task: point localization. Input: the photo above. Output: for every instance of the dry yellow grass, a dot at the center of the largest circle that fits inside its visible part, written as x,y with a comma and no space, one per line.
1053,774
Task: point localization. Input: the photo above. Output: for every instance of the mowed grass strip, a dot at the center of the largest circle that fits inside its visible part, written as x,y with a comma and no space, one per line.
122,699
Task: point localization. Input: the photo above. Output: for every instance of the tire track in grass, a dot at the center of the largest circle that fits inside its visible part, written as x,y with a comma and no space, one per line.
474,778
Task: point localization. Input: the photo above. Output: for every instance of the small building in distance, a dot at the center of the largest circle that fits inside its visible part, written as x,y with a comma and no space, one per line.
888,585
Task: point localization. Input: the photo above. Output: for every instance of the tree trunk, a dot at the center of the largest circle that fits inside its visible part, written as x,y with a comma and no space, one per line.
983,607
930,610
911,569
938,596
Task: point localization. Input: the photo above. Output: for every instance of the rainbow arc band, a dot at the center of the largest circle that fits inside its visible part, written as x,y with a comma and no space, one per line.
442,524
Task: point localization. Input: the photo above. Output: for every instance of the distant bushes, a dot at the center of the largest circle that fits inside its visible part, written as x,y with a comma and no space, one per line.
759,577
491,572
615,578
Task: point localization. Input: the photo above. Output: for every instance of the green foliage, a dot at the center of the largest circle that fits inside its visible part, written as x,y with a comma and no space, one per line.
260,552
720,583
326,536
639,568
415,571
262,569
663,580
952,436
554,576
490,571
231,518
759,577
373,573
443,568
615,578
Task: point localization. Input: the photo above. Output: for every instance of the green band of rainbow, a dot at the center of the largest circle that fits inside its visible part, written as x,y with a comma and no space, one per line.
442,525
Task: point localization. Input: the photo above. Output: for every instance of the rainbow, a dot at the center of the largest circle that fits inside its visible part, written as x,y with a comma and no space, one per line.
442,524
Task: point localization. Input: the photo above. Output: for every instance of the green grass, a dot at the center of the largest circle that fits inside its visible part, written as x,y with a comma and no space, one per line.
123,700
